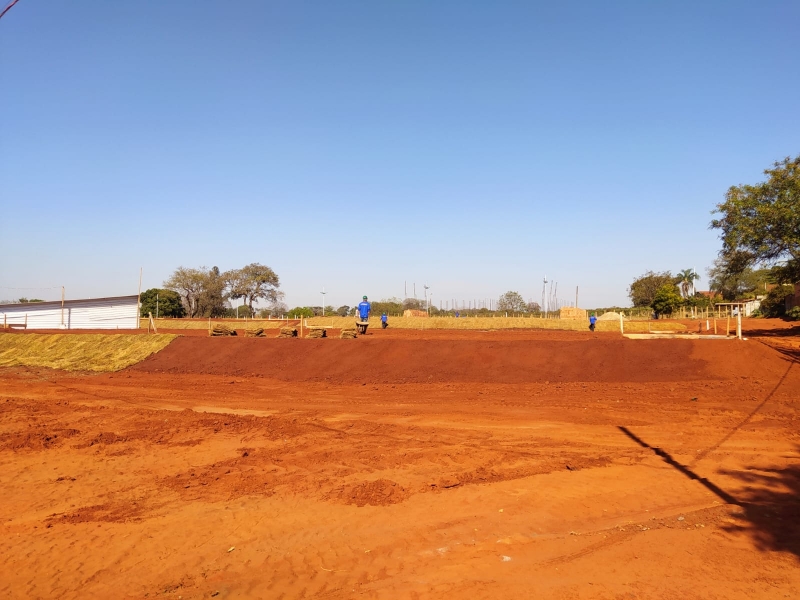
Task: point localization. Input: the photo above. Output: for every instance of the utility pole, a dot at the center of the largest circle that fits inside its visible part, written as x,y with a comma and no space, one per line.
576,296
139,298
323,300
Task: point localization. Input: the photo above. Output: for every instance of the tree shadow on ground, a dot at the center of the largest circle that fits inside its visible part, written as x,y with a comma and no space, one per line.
791,330
785,341
770,506
788,352
770,500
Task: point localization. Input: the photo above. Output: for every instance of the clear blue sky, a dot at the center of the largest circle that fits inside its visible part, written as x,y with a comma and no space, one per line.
475,147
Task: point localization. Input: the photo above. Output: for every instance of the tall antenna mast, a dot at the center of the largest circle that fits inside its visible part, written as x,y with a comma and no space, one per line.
544,291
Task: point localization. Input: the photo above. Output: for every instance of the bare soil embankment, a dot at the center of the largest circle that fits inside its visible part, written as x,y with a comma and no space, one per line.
551,466
366,360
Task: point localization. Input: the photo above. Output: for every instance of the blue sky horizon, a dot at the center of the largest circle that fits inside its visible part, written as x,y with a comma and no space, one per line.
355,146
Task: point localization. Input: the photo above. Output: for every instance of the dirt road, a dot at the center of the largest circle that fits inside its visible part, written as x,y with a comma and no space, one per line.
543,464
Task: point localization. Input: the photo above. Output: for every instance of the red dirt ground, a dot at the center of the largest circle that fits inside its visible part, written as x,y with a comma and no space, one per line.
524,464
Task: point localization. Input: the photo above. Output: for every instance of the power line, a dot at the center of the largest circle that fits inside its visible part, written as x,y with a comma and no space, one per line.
7,8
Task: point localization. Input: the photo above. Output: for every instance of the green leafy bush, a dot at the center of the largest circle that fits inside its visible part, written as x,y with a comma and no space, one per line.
299,312
667,299
774,303
162,303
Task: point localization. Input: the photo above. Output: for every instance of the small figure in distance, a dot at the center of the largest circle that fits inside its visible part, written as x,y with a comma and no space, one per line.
457,315
363,309
384,321
592,321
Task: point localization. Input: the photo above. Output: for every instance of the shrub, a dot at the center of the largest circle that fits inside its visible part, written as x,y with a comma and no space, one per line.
774,303
162,303
300,311
667,299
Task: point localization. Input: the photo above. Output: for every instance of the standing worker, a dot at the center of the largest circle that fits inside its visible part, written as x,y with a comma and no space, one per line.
592,321
363,309
384,321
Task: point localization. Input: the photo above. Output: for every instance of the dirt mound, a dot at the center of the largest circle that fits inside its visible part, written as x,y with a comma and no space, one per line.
38,439
374,493
610,316
438,360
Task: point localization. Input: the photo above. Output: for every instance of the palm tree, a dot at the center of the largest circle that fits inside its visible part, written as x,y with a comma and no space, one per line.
686,279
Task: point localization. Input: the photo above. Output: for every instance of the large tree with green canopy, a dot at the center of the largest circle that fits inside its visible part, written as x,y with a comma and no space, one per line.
760,224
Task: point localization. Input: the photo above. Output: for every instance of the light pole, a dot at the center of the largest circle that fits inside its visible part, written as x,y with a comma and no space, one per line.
323,300
156,305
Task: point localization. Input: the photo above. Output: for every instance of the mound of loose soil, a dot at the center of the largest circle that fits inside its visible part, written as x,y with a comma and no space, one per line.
602,359
610,316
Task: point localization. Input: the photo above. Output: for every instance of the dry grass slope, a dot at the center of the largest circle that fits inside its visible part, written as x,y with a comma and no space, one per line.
484,323
203,323
75,352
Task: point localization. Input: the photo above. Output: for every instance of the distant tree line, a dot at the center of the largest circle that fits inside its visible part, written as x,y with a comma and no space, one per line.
511,302
21,301
204,292
664,292
390,306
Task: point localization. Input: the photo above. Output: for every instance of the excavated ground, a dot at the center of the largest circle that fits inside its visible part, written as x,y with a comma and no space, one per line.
449,464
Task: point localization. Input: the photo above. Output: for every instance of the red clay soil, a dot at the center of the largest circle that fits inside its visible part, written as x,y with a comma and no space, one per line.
522,465
546,356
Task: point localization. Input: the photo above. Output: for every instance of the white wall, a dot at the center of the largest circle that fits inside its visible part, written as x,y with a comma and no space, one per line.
102,313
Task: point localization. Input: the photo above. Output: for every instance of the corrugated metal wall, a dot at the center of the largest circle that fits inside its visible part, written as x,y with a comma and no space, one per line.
102,313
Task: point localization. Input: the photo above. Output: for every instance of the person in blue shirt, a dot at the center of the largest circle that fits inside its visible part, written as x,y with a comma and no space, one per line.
363,309
592,321
384,321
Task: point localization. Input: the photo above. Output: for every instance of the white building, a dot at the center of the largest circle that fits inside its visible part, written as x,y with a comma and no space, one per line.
121,312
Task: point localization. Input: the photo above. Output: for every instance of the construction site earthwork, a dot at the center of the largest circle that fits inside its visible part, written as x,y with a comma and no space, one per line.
410,462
